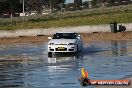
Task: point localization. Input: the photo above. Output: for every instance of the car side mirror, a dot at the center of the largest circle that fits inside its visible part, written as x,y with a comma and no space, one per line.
78,37
49,38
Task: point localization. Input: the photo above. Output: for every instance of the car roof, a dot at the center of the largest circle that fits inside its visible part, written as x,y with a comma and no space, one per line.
65,32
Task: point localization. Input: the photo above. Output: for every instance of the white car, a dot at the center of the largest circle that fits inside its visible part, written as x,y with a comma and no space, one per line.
65,42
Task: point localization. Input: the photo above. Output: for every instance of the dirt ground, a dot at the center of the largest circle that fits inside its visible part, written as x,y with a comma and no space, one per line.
87,37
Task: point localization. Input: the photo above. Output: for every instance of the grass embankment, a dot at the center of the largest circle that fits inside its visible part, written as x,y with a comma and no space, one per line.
121,14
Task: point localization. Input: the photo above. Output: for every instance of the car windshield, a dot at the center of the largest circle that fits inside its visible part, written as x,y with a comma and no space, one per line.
65,36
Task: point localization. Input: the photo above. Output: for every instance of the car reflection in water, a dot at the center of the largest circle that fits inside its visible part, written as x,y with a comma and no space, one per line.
64,61
64,67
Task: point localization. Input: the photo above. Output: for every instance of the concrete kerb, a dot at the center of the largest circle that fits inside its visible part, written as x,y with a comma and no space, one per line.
50,31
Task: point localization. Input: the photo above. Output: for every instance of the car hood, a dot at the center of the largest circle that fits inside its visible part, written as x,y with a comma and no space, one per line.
62,41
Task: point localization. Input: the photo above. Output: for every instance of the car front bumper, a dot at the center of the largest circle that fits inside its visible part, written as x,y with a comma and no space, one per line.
62,48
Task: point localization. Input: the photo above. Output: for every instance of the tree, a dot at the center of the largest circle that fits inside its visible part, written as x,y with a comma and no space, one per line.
10,6
33,5
94,3
55,3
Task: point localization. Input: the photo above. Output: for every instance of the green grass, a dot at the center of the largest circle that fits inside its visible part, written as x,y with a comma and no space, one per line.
85,17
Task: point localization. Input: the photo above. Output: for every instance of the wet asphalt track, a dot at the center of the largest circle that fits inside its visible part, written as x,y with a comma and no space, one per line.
28,65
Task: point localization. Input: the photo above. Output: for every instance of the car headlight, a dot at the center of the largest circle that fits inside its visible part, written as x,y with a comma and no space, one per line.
71,44
51,43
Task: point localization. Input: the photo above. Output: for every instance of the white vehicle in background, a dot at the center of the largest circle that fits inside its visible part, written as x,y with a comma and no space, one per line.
65,42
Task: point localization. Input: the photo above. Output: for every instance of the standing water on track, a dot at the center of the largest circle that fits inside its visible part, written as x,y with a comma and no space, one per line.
28,65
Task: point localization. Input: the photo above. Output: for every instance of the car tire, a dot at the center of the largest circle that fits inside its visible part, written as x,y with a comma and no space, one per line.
81,49
49,54
77,49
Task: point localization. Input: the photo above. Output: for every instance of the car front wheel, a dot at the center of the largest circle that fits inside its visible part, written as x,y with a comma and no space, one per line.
49,54
77,49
